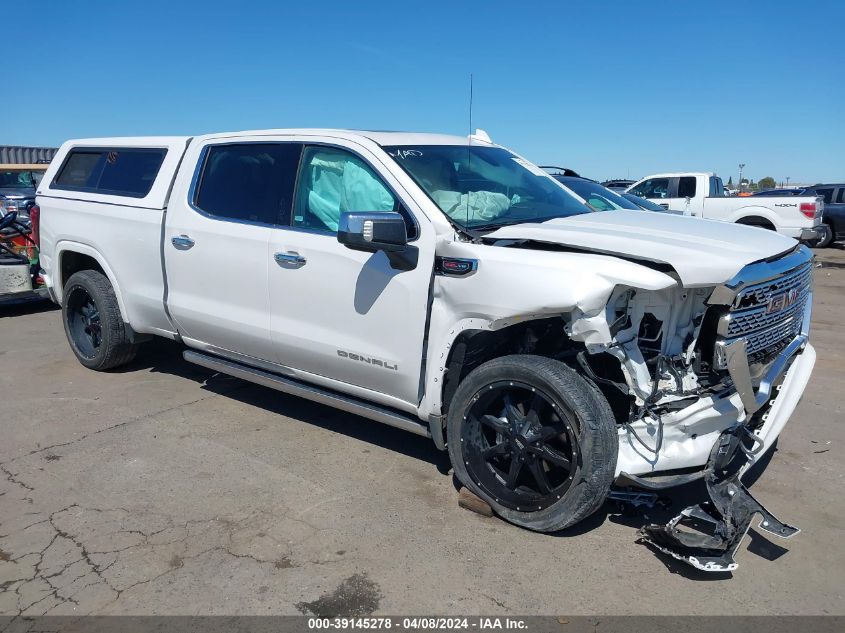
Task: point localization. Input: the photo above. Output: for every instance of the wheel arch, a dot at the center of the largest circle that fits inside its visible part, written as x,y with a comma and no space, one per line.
756,216
473,345
73,257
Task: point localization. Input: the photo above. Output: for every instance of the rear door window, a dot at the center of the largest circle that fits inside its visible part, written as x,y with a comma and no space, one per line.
686,187
117,171
248,182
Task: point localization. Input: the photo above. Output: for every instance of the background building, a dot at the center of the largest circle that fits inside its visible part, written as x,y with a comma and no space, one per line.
17,154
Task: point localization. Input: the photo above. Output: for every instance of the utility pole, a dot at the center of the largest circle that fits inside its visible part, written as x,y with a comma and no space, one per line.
741,167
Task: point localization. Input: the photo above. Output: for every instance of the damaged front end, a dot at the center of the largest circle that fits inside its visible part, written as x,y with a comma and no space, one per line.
701,370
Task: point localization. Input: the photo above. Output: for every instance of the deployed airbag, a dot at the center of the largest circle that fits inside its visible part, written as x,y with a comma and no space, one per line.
475,205
342,183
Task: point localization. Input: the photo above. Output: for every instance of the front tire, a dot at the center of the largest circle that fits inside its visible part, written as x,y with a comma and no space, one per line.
533,439
93,325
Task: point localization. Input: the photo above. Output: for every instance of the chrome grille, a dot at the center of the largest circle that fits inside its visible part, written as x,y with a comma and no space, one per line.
769,314
745,321
760,294
773,336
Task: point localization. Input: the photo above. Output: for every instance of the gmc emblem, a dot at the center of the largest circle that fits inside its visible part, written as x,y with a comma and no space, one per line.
782,301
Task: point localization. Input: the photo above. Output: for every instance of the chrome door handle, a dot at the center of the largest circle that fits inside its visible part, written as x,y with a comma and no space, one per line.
290,258
182,242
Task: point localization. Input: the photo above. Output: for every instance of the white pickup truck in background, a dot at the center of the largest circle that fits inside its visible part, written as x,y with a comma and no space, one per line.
702,195
451,288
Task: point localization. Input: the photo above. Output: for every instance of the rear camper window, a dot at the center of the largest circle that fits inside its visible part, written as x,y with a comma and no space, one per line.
116,171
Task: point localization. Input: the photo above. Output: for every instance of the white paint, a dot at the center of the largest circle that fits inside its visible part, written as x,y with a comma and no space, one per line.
782,211
228,293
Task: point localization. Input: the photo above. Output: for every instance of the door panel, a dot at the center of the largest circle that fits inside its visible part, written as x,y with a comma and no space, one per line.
347,315
217,289
216,242
342,314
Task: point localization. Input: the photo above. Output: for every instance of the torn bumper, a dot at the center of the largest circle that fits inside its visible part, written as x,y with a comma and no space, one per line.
689,434
708,535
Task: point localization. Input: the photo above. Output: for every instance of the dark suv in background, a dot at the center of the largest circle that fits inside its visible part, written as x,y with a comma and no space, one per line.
834,208
618,184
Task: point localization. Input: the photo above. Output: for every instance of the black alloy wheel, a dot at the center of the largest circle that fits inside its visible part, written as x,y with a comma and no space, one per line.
83,321
520,445
95,329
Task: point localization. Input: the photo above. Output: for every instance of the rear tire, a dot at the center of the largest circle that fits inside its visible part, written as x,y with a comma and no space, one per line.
825,241
531,416
93,325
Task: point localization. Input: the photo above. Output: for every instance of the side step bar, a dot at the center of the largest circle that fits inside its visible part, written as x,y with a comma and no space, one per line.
295,387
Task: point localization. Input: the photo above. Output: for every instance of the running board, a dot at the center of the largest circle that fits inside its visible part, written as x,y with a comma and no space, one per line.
309,392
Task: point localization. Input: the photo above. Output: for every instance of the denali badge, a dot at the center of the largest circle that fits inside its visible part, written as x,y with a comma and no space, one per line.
782,301
367,359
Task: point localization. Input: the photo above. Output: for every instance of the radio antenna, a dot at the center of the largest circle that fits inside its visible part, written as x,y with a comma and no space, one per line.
470,105
469,144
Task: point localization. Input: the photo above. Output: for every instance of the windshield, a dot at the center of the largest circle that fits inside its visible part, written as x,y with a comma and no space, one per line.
485,187
16,180
597,196
648,205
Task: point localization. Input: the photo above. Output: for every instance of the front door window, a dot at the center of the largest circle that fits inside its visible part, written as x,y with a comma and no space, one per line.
333,181
652,188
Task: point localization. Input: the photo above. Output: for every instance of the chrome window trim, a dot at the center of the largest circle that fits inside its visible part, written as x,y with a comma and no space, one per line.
200,167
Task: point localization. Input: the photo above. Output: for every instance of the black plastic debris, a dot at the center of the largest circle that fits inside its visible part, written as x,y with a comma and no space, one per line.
708,535
638,499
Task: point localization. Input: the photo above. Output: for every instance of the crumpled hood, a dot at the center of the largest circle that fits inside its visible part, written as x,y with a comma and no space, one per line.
703,252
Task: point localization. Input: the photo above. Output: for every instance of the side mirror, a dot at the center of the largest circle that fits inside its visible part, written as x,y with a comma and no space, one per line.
373,232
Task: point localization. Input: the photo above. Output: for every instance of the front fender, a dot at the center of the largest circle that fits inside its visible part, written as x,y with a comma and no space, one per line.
512,285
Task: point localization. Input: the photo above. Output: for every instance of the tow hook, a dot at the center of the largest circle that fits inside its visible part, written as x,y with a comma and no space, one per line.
718,525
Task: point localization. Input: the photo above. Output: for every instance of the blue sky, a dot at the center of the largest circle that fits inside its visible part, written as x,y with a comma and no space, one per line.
610,89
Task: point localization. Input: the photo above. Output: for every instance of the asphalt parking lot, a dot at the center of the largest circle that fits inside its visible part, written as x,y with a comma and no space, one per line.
165,489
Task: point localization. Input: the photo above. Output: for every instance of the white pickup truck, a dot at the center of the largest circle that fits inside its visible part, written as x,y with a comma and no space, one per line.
451,288
702,195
